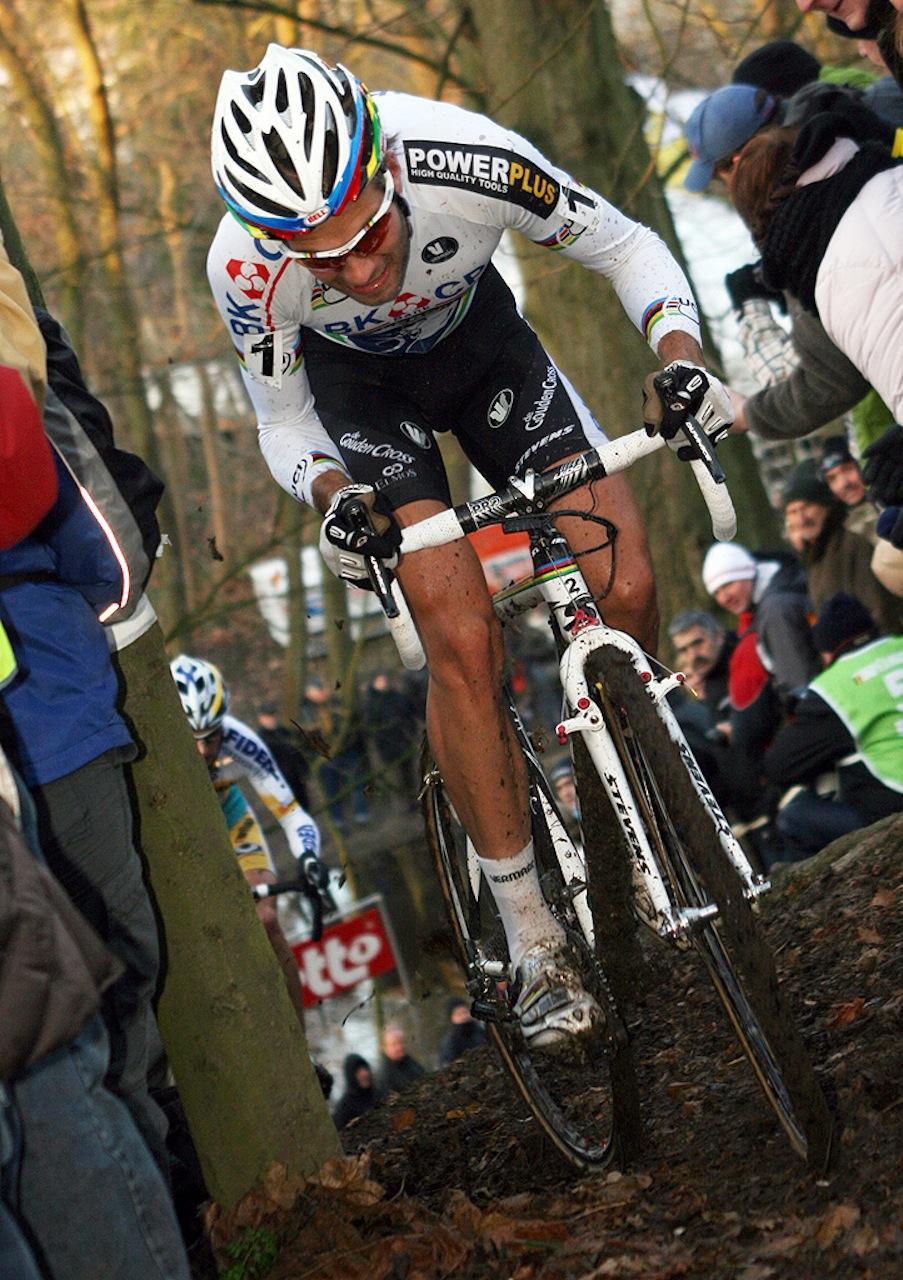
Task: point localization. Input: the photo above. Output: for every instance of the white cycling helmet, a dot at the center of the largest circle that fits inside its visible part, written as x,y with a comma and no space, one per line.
294,140
205,698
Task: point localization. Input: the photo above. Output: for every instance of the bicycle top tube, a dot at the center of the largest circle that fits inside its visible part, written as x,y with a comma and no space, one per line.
535,492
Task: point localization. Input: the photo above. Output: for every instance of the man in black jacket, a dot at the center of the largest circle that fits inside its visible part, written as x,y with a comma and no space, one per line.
397,1069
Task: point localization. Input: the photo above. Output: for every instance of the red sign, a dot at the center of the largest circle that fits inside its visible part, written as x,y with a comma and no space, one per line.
349,951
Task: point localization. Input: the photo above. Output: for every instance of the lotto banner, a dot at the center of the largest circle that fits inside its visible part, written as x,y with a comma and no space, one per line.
351,950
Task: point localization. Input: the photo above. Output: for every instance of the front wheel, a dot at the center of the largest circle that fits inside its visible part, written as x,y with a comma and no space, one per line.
571,1098
681,827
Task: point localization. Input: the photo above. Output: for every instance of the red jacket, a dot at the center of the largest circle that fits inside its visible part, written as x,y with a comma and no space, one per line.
28,486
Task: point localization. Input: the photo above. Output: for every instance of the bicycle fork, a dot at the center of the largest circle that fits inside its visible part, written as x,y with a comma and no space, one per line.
654,905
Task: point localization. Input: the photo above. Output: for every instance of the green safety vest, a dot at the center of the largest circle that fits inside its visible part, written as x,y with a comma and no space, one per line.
865,688
7,658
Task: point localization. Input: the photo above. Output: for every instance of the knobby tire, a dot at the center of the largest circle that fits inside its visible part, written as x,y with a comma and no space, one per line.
739,962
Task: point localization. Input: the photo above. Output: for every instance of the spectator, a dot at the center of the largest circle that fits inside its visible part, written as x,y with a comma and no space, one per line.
463,1034
397,1069
848,720
286,746
719,128
360,1094
344,768
770,600
840,472
394,729
67,740
823,202
780,67
835,559
561,776
702,649
78,1183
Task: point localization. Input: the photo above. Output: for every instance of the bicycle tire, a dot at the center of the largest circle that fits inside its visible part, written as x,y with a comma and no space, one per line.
737,958
571,1102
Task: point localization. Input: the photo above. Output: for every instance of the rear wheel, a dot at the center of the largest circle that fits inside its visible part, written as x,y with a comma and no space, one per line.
571,1098
693,863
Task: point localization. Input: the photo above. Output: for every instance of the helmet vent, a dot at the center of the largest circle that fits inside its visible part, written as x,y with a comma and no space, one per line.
254,91
281,93
237,159
283,161
240,119
330,150
258,201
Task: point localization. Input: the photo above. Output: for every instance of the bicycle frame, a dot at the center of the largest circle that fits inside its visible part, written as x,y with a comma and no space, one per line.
558,583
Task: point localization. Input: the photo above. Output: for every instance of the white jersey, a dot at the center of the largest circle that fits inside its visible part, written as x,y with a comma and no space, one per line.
244,755
464,180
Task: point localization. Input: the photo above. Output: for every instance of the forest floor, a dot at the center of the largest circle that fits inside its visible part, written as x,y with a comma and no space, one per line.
452,1179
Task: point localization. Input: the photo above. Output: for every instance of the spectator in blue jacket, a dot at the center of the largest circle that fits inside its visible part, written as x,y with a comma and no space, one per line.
61,729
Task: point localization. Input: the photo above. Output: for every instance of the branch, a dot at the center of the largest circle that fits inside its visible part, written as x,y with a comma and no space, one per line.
355,37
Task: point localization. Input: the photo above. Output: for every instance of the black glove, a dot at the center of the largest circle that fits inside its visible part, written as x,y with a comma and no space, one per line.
681,388
890,526
746,283
312,871
346,536
882,467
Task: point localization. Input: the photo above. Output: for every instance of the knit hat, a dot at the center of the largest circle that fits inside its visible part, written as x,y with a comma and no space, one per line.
804,484
781,67
840,619
835,451
723,123
726,562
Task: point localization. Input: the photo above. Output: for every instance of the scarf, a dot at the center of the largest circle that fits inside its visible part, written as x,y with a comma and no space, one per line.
805,220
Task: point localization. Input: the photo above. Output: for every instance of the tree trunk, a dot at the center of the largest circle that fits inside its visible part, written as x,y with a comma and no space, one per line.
537,55
37,106
294,680
126,324
224,1012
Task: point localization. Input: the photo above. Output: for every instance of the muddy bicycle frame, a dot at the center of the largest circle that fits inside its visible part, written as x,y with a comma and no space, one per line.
558,583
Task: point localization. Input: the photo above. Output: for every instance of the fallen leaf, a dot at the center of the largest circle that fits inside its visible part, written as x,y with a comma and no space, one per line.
871,936
403,1119
883,898
842,1015
840,1218
866,1240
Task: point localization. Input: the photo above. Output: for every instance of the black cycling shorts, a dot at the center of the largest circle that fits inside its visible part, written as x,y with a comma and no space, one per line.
489,382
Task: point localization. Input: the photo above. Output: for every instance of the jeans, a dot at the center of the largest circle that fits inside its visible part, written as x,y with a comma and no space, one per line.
88,1193
85,832
17,1262
810,821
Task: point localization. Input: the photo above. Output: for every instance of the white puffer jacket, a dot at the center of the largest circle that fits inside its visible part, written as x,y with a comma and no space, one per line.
859,287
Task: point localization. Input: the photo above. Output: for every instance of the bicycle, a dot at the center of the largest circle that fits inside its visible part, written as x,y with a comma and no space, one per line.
691,883
310,883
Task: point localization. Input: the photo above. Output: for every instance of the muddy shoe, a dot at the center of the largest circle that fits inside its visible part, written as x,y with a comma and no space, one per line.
552,1006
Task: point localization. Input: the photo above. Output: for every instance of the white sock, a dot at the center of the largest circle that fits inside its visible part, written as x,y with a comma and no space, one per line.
525,914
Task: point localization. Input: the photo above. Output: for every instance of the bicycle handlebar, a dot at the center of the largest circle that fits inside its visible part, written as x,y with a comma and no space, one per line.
607,459
321,900
532,495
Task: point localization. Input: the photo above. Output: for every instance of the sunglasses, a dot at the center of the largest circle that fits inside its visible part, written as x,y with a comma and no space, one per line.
366,241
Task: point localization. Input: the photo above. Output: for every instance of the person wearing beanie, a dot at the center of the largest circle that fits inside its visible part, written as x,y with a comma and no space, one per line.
781,67
840,472
846,721
835,558
768,596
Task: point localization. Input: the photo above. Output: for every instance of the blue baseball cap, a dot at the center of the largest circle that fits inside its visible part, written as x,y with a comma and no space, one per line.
721,124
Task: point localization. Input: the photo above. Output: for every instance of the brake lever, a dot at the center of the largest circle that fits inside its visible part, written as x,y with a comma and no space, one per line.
705,450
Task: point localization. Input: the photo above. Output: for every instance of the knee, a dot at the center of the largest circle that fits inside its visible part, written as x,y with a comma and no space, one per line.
632,602
466,649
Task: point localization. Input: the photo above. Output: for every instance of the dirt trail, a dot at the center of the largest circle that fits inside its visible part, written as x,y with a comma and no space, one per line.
452,1179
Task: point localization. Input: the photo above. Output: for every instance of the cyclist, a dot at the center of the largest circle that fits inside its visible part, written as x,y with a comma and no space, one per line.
231,750
355,278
